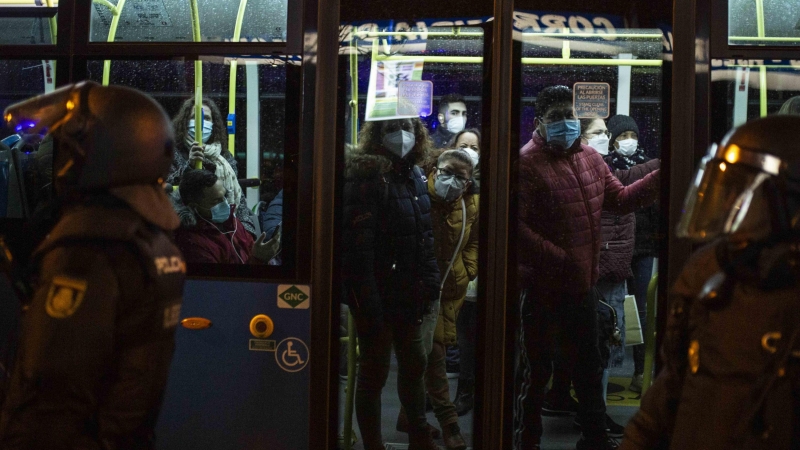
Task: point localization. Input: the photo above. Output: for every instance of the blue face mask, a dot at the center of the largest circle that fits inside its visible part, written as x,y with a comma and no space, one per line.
563,133
220,212
207,128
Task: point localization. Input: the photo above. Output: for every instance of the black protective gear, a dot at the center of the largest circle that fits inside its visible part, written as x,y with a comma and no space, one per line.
98,337
121,136
110,137
749,184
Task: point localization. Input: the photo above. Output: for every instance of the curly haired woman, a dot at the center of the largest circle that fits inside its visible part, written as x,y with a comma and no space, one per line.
389,270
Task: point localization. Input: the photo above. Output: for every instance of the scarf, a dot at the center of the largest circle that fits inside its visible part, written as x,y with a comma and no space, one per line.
620,162
213,153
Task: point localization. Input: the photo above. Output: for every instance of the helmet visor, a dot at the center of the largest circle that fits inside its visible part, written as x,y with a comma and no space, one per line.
719,198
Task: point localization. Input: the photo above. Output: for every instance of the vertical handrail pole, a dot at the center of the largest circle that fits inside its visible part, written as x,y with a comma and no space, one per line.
198,81
650,334
116,12
762,71
237,34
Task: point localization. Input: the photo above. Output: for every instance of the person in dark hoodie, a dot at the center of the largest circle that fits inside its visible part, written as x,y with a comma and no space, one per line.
210,232
389,270
624,155
563,187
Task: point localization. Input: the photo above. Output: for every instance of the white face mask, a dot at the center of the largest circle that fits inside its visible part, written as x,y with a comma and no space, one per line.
627,147
456,124
599,143
473,155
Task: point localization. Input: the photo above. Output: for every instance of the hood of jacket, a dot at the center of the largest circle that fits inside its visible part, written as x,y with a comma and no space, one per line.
185,214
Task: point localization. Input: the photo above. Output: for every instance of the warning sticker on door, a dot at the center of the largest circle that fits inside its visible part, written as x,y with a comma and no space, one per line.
262,345
294,296
292,355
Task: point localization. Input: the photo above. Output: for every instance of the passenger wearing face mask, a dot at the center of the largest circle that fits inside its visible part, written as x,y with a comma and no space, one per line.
213,149
452,119
389,270
209,231
468,140
616,251
563,187
454,214
627,154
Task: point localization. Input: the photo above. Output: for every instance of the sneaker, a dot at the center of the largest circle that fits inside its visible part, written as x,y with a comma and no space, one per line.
402,426
636,383
613,429
603,443
452,437
555,406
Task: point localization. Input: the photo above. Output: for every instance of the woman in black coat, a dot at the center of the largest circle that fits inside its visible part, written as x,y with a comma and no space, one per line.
389,270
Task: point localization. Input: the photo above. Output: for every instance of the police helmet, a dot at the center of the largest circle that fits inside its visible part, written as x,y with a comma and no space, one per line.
749,184
118,135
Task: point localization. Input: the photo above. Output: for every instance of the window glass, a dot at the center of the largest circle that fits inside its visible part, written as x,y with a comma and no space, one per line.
25,164
174,21
414,92
243,147
763,22
26,22
591,119
743,90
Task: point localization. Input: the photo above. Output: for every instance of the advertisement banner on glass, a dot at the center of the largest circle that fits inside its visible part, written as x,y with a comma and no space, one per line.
384,87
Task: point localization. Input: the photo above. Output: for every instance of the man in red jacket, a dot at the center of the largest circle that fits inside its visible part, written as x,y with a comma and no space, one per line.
210,232
563,187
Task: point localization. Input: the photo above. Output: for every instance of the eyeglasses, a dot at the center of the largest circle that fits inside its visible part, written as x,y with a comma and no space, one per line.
448,173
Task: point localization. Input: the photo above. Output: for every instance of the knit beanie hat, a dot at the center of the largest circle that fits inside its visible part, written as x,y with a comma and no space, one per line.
620,124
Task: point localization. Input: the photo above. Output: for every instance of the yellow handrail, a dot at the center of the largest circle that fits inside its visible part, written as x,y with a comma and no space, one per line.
237,33
53,26
763,38
116,12
198,81
532,61
650,334
353,94
762,71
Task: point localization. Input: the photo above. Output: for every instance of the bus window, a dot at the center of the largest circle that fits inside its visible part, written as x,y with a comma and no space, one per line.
743,90
410,216
235,194
25,161
188,21
591,124
764,22
26,22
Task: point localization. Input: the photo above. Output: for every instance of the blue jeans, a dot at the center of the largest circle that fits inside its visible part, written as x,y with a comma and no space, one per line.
614,294
642,267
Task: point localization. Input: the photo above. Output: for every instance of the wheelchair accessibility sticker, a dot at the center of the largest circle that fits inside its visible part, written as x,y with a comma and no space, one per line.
292,355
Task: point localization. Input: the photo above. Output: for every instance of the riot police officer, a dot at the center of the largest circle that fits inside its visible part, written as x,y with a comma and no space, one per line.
731,350
98,333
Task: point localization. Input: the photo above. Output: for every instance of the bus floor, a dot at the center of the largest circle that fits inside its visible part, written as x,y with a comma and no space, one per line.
559,432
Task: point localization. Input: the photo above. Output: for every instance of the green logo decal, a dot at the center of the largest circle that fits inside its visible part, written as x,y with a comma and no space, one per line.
293,296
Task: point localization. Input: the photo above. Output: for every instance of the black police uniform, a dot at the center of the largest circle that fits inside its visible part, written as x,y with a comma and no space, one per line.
98,337
729,379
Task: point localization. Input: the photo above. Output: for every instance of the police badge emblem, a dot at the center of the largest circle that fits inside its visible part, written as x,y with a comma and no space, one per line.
64,297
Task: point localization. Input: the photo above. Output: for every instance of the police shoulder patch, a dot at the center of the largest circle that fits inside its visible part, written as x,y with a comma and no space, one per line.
64,297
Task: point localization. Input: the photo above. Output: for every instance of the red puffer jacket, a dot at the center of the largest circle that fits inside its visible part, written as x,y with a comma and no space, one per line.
561,196
619,231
